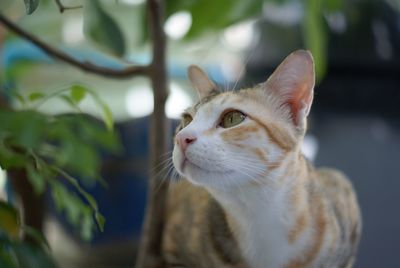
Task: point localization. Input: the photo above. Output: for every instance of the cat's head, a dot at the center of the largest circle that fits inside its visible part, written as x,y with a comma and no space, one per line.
240,137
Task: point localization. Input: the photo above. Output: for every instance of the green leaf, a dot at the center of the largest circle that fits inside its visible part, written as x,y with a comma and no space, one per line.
102,28
207,15
37,236
29,256
36,179
31,5
100,221
9,220
78,93
9,158
106,112
333,5
35,96
19,97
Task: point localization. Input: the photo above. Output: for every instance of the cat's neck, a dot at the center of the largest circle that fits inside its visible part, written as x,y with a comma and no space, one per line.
260,215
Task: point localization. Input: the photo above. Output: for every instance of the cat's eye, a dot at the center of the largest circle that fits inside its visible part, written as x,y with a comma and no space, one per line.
232,118
186,119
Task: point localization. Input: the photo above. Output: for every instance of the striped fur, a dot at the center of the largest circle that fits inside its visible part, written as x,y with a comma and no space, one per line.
250,199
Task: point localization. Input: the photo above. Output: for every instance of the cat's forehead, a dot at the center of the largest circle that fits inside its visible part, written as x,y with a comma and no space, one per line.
219,100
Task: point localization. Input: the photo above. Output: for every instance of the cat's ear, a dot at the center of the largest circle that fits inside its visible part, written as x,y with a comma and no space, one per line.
200,81
294,81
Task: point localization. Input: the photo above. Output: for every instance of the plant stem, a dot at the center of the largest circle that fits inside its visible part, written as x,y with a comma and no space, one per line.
150,249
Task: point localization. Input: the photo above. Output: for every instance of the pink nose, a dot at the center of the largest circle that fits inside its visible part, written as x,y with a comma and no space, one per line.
184,140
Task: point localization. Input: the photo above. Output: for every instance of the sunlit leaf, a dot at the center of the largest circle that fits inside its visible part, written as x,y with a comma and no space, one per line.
102,28
9,220
31,6
35,96
78,93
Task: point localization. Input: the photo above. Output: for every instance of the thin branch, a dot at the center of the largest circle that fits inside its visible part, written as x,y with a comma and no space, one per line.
88,66
62,8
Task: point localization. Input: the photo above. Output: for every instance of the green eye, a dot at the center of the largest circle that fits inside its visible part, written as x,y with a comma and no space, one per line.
186,119
232,118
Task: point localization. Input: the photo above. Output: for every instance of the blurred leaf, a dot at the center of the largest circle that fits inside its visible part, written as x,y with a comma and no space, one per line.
35,179
106,112
100,221
314,34
9,158
37,236
207,15
78,93
35,96
19,97
6,260
68,100
29,256
9,220
31,5
102,29
333,5
76,211
24,128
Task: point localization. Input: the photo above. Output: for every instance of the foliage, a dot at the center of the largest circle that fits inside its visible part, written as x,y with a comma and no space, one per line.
214,16
14,253
51,147
100,27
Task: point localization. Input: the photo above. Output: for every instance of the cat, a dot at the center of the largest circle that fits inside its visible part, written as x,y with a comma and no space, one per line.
249,199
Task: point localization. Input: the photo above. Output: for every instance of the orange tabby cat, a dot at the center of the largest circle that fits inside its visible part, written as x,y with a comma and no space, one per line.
250,198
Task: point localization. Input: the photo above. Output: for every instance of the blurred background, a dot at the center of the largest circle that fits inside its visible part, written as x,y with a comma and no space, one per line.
354,123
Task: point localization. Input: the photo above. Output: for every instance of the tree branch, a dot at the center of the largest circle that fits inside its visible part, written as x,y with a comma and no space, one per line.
84,66
62,8
150,249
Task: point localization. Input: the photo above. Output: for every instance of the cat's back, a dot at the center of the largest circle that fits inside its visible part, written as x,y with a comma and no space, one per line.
196,232
344,211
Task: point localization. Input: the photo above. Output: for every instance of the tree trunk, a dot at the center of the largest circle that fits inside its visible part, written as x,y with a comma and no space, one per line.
149,255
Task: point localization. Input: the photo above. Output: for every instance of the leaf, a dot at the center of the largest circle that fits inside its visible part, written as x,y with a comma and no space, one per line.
31,6
102,28
36,179
9,220
333,5
106,112
19,97
205,18
35,96
100,221
37,236
29,256
78,93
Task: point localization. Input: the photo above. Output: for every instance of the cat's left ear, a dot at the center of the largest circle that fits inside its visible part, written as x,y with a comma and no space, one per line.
294,81
200,81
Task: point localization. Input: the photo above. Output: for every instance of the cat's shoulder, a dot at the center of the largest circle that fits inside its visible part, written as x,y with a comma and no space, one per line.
333,179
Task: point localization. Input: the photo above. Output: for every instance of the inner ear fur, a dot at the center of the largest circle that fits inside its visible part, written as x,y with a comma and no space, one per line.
200,81
294,81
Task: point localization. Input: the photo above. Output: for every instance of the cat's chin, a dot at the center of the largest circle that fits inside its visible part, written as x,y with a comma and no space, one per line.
222,180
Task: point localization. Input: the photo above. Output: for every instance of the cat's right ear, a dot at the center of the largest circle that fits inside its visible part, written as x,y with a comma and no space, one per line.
200,81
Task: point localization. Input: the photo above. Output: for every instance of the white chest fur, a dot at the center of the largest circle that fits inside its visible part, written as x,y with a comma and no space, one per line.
261,219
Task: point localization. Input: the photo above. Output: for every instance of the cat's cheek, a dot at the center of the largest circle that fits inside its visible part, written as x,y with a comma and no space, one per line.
178,160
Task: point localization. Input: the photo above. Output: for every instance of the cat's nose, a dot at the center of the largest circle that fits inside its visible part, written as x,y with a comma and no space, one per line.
184,140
